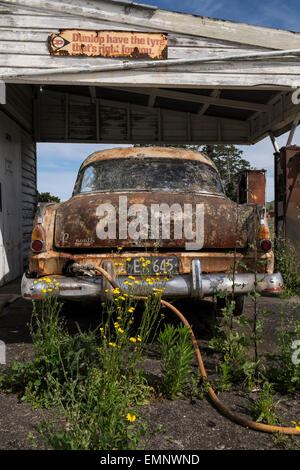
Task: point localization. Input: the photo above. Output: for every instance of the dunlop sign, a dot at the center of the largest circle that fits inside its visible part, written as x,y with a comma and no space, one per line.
109,44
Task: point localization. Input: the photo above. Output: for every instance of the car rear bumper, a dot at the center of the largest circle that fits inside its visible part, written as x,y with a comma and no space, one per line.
194,285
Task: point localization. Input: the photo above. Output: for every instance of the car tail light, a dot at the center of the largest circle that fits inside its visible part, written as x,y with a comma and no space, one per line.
264,238
38,239
264,233
266,244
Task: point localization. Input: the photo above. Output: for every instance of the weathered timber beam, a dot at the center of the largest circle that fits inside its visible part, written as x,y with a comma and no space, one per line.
169,21
154,64
193,98
293,129
204,107
2,93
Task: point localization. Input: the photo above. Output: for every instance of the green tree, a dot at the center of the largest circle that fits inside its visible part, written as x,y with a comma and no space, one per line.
229,161
47,197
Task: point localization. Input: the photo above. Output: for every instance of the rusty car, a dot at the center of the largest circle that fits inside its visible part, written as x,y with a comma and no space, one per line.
148,214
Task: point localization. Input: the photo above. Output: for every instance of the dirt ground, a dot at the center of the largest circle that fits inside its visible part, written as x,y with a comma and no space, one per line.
186,424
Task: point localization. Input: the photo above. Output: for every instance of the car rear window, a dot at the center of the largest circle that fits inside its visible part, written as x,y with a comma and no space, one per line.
164,174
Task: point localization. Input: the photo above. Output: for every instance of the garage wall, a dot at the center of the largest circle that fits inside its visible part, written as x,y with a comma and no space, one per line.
18,180
28,197
10,216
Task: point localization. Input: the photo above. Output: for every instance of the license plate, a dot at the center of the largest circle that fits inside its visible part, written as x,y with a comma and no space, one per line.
163,265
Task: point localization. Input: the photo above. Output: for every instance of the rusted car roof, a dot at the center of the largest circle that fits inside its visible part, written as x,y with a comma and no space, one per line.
147,152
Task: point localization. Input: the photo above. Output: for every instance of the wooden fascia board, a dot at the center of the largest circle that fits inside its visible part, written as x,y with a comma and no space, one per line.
169,21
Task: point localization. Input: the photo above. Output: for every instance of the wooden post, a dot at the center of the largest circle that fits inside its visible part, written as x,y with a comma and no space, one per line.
287,196
2,93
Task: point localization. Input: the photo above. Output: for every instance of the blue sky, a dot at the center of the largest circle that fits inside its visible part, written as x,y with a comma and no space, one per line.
58,163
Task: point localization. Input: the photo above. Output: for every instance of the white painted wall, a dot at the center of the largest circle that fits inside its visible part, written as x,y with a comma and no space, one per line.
11,261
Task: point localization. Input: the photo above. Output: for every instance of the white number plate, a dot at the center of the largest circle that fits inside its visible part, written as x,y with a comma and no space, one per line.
158,265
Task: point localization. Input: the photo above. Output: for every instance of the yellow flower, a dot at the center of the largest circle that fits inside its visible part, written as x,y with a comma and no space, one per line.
44,290
131,309
49,290
101,329
139,338
120,330
131,417
112,344
120,248
136,282
131,277
133,340
128,259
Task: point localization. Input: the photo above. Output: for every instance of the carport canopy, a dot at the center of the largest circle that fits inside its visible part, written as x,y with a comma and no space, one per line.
222,82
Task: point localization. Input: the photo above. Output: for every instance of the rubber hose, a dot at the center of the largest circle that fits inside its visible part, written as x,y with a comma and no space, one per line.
218,404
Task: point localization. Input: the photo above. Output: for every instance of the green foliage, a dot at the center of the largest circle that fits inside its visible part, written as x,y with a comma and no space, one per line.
286,264
283,371
264,407
93,378
228,159
47,197
232,343
270,206
58,356
177,351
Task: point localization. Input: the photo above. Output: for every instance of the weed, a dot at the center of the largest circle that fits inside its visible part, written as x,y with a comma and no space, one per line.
286,264
233,345
284,372
264,407
175,346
